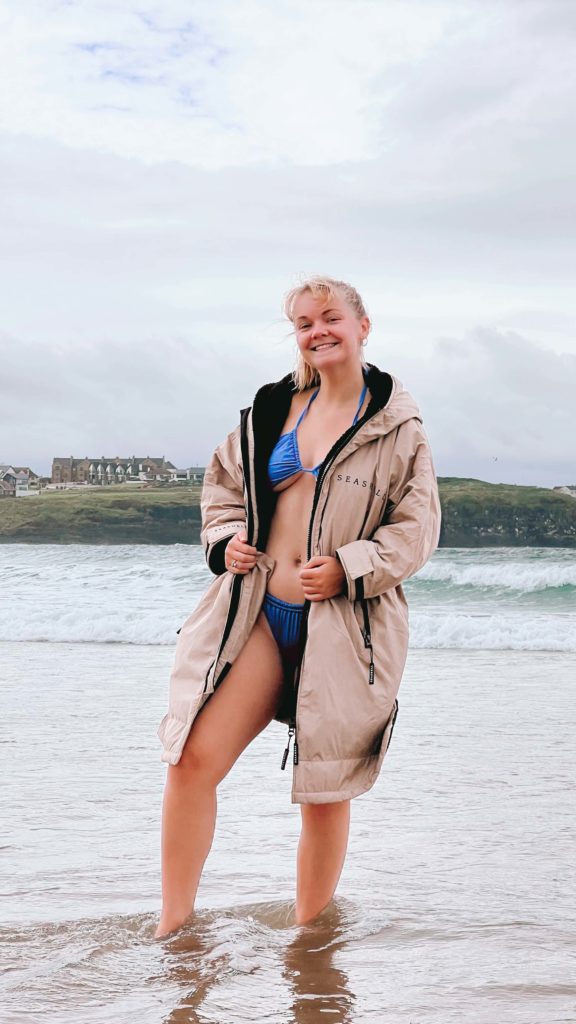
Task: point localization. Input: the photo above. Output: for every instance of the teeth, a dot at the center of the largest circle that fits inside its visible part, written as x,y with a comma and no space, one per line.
328,344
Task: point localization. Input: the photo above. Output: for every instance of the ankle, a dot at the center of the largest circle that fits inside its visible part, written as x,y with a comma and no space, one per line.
170,922
305,913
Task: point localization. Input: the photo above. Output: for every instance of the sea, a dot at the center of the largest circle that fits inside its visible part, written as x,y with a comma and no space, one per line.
457,900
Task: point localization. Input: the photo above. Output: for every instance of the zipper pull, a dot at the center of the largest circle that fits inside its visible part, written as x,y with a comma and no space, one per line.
368,644
291,731
295,751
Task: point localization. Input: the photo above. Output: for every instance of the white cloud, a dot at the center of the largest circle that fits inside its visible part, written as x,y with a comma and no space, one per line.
207,85
172,168
498,407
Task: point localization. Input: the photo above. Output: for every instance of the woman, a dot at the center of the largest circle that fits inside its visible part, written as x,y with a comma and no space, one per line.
314,511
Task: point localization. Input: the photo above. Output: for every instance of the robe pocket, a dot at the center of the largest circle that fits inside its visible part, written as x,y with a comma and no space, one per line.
353,617
384,736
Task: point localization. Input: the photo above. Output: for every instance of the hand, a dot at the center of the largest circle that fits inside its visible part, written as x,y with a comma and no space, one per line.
322,577
239,552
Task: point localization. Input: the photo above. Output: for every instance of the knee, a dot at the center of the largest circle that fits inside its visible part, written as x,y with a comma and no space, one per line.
326,815
196,765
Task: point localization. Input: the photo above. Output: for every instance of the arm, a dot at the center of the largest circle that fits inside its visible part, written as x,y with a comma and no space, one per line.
222,502
410,529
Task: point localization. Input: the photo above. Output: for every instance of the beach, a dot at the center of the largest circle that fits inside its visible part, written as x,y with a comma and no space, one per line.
456,902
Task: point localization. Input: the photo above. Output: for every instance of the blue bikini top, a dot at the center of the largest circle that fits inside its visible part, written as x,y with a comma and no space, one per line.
285,459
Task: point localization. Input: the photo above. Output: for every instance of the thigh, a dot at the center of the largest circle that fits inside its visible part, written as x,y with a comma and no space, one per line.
241,707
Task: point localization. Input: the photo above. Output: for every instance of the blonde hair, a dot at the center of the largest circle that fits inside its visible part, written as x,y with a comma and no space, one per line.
325,288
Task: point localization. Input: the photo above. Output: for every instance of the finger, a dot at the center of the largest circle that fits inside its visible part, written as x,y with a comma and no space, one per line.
312,588
310,574
240,553
236,567
316,560
246,549
238,540
242,539
241,549
242,560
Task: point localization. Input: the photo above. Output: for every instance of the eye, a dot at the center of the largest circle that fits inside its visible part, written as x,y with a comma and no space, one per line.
304,327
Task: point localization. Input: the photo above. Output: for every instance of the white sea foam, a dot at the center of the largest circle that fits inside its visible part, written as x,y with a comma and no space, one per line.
439,629
510,575
503,632
77,626
495,599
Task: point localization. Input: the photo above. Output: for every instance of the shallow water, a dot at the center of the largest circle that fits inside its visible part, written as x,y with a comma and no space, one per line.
456,903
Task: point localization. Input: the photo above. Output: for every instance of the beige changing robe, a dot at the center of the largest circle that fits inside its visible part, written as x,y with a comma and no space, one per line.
376,508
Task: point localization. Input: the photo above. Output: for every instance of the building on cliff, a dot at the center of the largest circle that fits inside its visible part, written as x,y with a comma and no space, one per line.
15,481
7,482
104,471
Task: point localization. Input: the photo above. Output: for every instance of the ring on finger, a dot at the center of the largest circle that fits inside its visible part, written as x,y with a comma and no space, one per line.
234,563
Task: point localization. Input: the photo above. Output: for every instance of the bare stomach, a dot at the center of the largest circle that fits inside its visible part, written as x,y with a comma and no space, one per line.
288,539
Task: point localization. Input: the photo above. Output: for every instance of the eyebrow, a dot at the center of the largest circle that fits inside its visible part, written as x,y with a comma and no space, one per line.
324,312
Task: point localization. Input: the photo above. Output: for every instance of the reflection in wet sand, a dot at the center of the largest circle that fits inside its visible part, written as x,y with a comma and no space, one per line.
318,986
209,956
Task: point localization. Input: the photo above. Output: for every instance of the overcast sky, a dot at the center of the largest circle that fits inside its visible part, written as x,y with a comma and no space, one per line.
169,170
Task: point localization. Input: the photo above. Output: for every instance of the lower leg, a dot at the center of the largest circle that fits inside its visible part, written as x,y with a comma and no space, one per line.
243,704
321,854
188,820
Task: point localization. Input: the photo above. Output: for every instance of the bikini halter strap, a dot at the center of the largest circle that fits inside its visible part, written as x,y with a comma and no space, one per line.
315,395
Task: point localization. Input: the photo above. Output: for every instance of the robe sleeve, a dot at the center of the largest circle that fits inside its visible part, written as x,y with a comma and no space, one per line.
222,503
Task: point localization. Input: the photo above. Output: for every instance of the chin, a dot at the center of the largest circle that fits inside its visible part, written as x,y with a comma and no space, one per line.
334,357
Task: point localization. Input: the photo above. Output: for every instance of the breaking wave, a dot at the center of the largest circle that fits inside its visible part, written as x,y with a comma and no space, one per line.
494,599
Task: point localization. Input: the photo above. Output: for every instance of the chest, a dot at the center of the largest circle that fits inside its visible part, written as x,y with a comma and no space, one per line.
311,428
315,436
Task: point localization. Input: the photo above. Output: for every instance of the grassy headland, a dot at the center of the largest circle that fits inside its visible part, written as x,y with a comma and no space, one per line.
478,514
103,515
475,514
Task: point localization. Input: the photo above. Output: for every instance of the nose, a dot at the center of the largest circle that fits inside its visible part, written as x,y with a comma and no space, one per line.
319,331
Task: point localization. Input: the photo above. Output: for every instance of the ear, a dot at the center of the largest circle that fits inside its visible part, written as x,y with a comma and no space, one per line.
365,327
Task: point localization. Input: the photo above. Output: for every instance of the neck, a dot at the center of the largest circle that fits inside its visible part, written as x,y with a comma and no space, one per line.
340,385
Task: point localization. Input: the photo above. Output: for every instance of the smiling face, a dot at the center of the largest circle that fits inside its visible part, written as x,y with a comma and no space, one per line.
328,331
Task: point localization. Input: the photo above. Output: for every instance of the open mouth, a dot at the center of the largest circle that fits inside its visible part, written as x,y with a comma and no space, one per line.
324,345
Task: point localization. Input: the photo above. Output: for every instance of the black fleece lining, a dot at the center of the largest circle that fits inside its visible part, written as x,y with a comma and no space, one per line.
269,411
216,562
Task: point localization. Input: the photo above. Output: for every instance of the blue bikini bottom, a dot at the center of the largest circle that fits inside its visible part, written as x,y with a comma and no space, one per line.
284,620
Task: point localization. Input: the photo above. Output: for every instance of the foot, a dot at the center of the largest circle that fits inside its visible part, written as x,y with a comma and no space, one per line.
169,924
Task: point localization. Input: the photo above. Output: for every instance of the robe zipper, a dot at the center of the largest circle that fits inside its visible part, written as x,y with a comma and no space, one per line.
250,529
366,633
331,456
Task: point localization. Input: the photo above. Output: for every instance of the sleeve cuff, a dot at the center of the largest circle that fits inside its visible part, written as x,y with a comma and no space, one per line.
215,555
215,540
356,563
